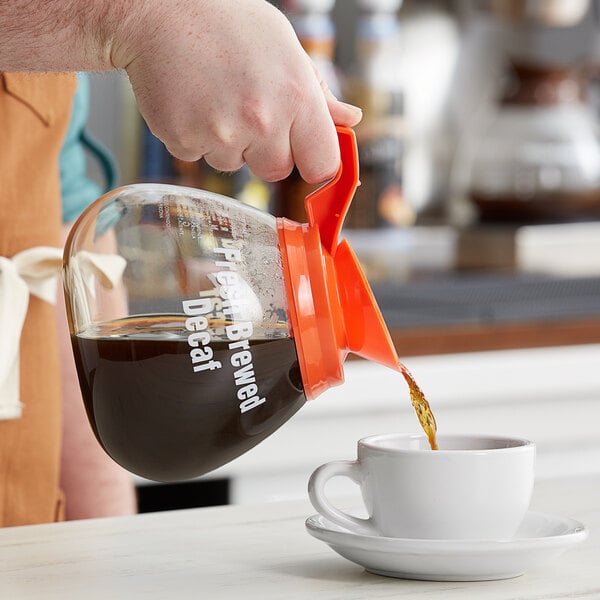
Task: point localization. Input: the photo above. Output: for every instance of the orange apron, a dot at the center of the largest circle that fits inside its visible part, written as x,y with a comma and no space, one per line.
34,115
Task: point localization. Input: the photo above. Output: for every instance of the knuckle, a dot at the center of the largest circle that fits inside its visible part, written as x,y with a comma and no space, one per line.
274,172
258,119
318,173
184,153
224,163
184,146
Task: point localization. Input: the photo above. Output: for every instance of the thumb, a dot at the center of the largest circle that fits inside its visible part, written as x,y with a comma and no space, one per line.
342,113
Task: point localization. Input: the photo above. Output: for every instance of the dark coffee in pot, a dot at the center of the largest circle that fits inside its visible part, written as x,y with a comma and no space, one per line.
161,418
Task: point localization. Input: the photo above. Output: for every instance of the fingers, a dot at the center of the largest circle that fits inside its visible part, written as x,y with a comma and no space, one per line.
224,159
346,115
310,142
315,147
268,161
313,138
271,161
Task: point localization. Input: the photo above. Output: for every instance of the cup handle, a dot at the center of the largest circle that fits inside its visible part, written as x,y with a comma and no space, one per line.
316,493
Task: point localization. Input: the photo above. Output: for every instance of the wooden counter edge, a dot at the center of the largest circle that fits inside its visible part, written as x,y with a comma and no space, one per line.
422,341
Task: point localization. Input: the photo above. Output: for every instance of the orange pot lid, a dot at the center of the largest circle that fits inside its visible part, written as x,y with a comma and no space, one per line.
331,306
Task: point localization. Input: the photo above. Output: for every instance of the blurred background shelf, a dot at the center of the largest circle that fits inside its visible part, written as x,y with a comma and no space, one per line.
488,312
445,289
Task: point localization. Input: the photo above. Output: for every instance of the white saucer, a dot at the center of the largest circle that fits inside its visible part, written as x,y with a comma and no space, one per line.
541,537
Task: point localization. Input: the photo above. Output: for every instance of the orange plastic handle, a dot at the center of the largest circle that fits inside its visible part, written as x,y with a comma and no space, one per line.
327,206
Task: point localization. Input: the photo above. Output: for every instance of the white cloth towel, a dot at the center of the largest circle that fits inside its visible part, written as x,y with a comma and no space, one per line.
35,271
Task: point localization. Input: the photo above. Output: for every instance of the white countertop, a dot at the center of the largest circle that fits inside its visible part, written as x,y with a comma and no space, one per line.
261,551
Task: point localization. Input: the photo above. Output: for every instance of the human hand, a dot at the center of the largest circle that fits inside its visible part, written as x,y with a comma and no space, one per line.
227,80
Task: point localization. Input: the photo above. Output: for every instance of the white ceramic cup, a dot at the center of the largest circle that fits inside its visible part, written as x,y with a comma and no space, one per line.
473,487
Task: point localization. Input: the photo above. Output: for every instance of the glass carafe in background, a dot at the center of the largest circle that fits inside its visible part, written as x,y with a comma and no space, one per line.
200,324
537,158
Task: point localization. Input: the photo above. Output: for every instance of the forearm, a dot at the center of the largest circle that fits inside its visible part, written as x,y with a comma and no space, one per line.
226,80
62,35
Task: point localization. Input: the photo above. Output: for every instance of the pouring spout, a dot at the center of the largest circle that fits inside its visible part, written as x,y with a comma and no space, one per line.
332,309
366,332
326,208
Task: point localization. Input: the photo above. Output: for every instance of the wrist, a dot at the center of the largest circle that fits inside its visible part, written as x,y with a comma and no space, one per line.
136,29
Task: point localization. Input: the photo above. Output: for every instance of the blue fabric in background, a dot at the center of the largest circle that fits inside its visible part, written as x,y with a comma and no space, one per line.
77,189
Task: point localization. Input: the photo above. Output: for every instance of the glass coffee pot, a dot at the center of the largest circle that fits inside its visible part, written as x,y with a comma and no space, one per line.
200,325
537,159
